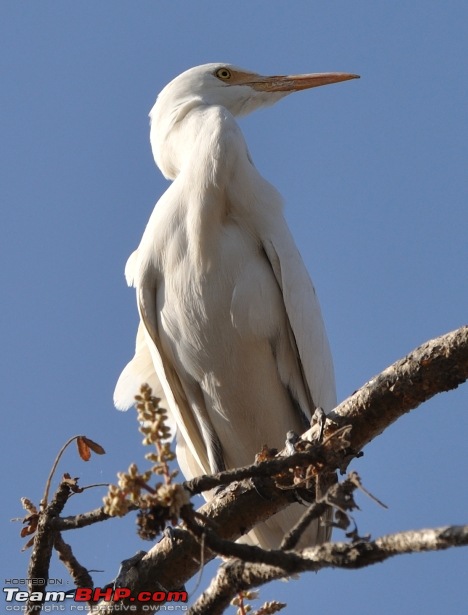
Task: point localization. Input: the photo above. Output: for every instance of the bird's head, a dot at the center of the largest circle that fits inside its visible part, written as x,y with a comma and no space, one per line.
238,90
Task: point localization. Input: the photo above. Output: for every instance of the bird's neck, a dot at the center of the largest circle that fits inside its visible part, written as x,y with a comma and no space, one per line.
196,131
172,135
203,153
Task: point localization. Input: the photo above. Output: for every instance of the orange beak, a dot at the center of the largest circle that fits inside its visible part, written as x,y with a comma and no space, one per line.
294,83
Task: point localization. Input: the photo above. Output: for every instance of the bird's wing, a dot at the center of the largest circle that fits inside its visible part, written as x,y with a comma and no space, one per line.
138,371
141,370
259,207
304,314
148,366
168,377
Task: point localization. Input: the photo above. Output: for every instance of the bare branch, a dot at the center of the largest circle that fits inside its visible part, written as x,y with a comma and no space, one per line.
438,365
78,573
82,520
315,510
236,576
43,544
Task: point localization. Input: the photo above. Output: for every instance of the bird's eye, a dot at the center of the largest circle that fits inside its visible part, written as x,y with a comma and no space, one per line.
223,73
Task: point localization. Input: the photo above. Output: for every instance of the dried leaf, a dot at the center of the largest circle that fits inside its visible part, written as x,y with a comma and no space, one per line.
270,607
31,520
66,478
341,520
28,544
354,477
72,483
84,450
94,446
29,506
265,454
28,530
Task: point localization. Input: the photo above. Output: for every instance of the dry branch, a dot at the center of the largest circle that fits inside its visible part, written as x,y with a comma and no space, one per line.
236,575
437,366
78,573
43,544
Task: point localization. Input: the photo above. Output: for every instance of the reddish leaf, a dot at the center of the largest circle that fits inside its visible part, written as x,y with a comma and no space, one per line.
32,518
83,449
94,446
28,544
28,530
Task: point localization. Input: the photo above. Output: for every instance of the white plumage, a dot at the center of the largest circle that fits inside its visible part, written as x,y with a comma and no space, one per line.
231,334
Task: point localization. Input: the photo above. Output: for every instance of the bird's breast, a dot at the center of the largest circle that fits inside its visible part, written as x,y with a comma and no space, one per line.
219,329
215,309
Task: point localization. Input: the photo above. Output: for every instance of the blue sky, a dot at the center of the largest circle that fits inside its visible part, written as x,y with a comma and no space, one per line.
374,176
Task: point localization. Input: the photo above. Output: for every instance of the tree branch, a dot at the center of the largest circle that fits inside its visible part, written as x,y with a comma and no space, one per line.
78,573
437,366
43,544
236,575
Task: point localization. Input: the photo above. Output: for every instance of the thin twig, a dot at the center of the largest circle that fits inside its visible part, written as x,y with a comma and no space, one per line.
314,511
52,471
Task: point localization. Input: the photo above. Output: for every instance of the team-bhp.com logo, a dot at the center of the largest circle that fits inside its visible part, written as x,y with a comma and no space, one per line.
86,595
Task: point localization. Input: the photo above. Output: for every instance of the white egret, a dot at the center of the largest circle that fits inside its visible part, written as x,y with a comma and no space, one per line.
231,332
